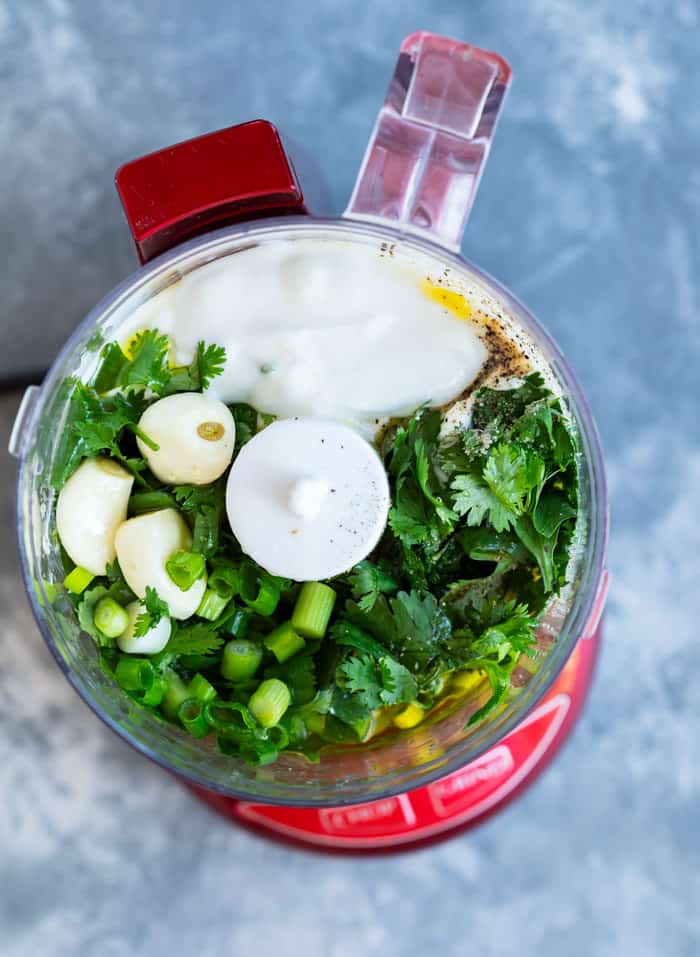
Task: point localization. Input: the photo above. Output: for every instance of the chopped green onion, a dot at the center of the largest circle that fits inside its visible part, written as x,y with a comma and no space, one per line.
284,642
241,659
211,606
270,701
142,502
78,580
175,693
154,695
313,609
191,714
135,674
237,625
201,689
259,591
230,716
140,679
225,579
110,618
185,568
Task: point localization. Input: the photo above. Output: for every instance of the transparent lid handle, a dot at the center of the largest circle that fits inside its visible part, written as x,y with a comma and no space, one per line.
431,140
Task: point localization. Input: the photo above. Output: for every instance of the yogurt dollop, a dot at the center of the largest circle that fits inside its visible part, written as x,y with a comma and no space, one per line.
320,328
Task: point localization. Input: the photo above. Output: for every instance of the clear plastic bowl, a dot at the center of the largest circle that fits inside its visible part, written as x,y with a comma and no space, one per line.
394,762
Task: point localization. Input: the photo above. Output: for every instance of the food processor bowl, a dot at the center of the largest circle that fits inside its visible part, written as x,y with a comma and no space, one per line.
411,200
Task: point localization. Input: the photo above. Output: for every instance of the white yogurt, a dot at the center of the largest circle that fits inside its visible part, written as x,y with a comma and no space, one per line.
319,328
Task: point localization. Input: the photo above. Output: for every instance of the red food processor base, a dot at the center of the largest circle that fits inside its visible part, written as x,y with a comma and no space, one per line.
451,804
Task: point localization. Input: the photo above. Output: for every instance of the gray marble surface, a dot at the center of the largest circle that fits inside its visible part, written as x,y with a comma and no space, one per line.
589,210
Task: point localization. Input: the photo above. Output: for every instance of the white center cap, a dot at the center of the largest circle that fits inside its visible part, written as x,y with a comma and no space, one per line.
307,499
307,496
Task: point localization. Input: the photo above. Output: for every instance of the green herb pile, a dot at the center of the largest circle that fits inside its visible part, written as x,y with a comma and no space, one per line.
478,540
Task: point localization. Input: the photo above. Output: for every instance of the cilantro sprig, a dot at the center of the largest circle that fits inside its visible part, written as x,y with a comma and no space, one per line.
98,417
154,610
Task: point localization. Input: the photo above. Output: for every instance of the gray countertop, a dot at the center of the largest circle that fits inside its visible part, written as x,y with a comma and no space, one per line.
589,211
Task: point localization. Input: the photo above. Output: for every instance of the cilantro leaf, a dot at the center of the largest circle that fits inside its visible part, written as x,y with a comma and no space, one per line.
511,473
299,674
462,450
246,419
551,510
200,638
398,684
76,403
419,512
94,425
208,362
360,675
476,501
155,609
367,581
377,681
504,406
541,547
411,625
145,364
345,633
483,544
205,505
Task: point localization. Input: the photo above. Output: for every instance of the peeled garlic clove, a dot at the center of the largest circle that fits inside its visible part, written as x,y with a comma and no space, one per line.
144,544
152,642
91,506
195,435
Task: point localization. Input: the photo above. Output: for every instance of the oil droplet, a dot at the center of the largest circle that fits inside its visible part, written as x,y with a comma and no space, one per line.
453,301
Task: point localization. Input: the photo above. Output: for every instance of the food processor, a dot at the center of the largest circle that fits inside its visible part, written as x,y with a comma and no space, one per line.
216,196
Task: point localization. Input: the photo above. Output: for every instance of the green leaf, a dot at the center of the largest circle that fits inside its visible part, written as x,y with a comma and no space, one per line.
208,362
200,638
155,609
76,403
411,625
462,450
368,581
540,547
499,679
147,362
511,473
361,676
377,681
205,505
345,633
484,544
419,512
112,362
426,481
92,426
506,405
246,419
398,683
299,674
551,511
478,503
